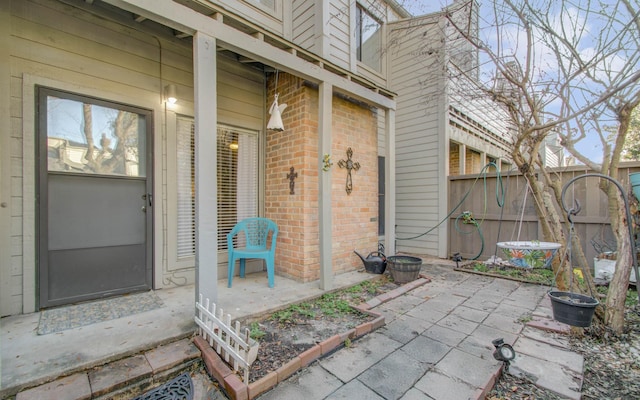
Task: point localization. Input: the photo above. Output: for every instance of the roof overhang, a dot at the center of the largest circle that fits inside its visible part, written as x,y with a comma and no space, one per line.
259,45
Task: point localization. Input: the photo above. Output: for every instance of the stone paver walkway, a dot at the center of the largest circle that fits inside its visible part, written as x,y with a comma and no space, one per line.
437,345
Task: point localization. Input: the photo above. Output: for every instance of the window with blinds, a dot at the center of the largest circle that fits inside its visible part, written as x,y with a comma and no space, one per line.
237,182
186,209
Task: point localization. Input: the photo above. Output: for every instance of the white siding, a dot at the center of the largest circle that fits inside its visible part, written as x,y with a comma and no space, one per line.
63,47
415,69
304,27
550,159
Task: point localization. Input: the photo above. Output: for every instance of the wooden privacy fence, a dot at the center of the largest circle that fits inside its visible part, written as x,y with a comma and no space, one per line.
235,347
517,219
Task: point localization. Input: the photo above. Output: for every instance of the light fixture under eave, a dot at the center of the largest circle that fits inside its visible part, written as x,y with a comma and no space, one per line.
171,93
234,146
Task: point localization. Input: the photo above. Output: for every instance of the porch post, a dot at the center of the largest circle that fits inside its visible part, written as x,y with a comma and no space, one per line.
6,307
206,185
325,93
462,161
390,183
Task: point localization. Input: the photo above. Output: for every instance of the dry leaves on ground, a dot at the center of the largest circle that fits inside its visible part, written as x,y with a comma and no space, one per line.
611,366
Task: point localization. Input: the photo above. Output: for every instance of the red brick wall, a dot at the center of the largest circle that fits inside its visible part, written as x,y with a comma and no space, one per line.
454,158
354,216
473,162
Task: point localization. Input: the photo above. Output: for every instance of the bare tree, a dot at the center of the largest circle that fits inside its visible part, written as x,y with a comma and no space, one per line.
631,150
568,67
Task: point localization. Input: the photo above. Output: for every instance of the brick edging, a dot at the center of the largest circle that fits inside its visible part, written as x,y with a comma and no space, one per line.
238,390
483,392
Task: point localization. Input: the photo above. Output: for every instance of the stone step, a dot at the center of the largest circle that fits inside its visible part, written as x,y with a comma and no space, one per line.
124,378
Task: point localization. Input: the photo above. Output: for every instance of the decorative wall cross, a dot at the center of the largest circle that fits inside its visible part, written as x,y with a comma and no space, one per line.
292,180
349,165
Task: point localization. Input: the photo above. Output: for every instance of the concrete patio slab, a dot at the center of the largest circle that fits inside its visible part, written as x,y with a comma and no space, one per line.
560,341
354,390
547,352
426,313
507,324
479,342
548,375
394,375
310,383
444,303
415,394
470,314
426,350
351,362
458,324
445,335
442,387
468,368
405,328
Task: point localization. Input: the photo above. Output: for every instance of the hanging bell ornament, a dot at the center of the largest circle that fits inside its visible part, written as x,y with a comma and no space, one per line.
275,122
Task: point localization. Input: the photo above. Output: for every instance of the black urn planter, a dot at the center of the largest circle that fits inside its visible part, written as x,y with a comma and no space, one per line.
404,269
573,308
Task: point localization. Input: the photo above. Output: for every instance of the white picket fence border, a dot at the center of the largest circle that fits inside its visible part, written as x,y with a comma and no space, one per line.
235,347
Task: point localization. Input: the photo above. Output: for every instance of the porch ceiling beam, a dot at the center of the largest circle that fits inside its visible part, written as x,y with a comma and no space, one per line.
181,35
186,20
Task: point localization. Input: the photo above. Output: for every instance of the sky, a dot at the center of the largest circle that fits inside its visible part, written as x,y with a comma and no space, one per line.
420,7
591,146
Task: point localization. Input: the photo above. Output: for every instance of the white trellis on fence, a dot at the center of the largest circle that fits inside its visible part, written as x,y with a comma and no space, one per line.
235,347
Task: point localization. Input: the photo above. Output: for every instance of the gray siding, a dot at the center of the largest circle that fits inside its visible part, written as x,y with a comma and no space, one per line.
263,16
241,97
304,28
418,81
60,46
340,33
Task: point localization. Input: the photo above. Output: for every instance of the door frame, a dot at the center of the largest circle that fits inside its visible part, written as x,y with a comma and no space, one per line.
41,190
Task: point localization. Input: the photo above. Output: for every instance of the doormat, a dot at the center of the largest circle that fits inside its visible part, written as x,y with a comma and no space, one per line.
75,316
180,388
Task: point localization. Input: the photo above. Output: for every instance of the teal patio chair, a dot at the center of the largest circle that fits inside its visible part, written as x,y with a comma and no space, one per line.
256,233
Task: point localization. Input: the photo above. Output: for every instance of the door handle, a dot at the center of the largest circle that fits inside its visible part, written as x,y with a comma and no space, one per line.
148,196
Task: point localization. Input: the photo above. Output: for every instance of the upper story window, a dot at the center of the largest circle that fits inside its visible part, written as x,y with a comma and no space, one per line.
368,39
